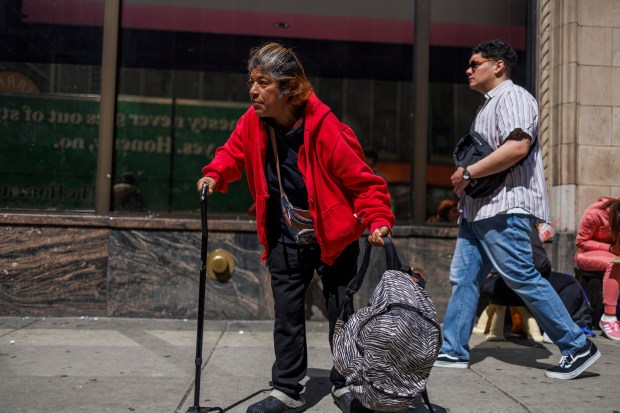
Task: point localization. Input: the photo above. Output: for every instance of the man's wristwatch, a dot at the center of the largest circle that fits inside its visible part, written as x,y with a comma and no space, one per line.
466,175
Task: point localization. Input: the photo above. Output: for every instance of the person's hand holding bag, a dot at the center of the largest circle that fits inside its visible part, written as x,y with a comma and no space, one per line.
376,237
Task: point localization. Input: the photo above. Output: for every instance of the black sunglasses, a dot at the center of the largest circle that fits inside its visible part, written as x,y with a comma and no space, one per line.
473,65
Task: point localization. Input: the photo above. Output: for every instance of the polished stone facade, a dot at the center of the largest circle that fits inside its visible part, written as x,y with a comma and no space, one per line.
124,267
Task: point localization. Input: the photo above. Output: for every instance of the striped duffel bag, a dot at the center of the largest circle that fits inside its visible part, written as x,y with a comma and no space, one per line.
387,349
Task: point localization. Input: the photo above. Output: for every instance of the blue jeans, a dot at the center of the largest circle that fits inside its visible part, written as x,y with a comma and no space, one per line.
503,242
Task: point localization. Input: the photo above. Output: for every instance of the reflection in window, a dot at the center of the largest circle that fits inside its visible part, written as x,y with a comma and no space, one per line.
360,63
181,87
49,84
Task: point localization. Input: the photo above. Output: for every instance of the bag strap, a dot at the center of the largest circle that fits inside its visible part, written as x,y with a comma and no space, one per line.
272,135
472,134
346,309
391,257
427,401
391,263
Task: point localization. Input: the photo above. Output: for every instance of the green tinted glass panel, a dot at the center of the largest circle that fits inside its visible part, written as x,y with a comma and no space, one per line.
48,151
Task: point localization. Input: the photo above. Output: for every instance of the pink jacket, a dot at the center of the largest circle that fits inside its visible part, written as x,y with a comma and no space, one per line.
344,195
594,233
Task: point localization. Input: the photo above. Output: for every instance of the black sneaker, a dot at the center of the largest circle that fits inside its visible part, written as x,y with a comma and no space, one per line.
346,402
446,360
278,402
574,364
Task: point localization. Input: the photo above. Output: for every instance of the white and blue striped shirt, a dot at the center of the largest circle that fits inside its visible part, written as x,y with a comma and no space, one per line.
509,107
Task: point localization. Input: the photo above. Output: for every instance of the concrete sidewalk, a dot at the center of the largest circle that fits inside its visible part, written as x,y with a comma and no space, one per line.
71,365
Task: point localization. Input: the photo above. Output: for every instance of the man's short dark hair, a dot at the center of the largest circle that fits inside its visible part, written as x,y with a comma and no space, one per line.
498,49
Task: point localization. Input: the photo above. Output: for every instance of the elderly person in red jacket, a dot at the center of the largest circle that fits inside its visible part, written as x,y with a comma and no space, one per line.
314,197
598,246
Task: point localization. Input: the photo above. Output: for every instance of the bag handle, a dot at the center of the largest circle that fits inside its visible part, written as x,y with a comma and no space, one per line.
346,309
392,262
391,257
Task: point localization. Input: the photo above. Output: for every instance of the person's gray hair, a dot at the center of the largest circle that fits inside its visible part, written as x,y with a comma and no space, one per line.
282,65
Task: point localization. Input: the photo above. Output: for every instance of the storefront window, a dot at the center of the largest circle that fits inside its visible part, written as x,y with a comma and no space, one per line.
49,85
183,82
181,87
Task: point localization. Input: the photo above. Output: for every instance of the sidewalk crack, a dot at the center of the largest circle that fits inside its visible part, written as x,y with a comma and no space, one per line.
205,361
514,399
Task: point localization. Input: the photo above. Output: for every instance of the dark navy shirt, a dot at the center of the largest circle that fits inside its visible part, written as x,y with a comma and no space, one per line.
288,143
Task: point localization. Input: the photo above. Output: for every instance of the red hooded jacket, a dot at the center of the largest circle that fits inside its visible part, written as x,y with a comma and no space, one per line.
344,194
594,233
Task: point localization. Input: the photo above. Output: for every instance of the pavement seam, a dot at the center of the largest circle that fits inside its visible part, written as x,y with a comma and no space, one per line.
205,361
527,409
20,328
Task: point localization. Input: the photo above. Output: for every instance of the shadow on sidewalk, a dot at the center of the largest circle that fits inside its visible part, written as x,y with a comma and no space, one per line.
420,407
512,351
317,386
245,399
518,352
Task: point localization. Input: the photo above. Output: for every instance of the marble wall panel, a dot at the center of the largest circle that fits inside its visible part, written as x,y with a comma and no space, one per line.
433,256
156,274
124,272
53,271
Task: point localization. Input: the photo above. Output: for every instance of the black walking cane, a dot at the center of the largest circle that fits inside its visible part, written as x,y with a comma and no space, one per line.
201,305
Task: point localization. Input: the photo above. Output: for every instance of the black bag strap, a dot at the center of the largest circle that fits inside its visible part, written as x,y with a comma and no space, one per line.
392,262
484,148
391,257
427,401
346,309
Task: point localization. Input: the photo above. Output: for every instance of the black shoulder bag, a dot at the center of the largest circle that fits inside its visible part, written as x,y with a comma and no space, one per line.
470,149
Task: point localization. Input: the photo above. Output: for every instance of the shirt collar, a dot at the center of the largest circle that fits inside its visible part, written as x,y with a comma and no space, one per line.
498,89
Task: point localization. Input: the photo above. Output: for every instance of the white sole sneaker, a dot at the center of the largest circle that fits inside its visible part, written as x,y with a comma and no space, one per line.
573,365
607,330
444,360
572,375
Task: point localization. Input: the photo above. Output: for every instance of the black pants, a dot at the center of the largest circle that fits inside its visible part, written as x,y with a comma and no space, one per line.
292,268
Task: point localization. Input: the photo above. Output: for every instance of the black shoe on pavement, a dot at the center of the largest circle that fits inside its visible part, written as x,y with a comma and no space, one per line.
278,402
445,360
346,402
573,365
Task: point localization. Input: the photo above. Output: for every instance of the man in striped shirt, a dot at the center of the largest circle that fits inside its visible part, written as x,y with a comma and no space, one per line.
494,229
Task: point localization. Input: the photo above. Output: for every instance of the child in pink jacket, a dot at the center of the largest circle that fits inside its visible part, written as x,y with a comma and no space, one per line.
598,243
